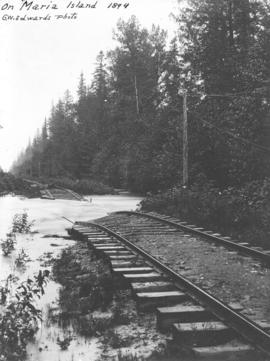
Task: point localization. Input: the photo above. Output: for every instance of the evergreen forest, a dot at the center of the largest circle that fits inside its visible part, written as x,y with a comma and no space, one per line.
125,129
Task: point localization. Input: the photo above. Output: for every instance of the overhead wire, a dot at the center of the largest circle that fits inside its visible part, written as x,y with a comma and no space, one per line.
228,132
226,95
237,137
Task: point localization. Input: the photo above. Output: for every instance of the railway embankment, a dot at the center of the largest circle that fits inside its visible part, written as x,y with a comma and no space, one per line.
172,275
241,212
228,275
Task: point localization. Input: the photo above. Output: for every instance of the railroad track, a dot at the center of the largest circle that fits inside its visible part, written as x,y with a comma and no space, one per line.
175,224
197,320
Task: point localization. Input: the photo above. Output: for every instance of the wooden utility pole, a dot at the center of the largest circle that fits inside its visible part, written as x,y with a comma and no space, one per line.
39,168
136,95
185,140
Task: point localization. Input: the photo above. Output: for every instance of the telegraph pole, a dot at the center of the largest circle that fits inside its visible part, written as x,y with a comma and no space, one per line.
136,95
185,140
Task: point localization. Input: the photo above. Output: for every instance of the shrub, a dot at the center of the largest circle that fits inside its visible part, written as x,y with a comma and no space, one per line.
242,212
19,318
64,344
22,258
21,224
114,340
93,325
8,244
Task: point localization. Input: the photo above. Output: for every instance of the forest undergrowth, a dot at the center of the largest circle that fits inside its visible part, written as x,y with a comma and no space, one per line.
243,212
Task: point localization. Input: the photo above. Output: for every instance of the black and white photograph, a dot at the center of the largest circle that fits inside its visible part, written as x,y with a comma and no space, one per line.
134,180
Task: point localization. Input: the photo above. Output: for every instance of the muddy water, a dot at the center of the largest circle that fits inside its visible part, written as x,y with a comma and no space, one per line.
48,216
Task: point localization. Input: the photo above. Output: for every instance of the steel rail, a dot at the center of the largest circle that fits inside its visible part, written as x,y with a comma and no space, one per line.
230,244
248,329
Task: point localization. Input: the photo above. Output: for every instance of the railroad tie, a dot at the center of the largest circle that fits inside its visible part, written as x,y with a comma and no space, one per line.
123,257
100,241
109,247
202,333
122,253
95,235
260,249
139,287
100,244
225,352
121,264
81,228
167,316
80,233
131,269
144,277
152,300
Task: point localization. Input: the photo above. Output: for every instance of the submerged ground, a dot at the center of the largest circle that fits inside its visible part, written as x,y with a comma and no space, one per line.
44,245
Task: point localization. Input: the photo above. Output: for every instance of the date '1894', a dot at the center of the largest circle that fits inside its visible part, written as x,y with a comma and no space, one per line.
117,5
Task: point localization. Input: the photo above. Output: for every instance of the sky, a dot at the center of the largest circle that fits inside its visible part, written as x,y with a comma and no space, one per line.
40,60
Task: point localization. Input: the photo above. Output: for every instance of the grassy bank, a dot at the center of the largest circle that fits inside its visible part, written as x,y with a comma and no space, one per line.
243,213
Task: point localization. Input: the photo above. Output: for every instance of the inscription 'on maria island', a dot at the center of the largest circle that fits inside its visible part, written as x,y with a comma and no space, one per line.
33,5
36,9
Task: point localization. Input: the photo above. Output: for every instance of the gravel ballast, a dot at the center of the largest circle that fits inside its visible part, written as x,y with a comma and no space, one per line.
227,275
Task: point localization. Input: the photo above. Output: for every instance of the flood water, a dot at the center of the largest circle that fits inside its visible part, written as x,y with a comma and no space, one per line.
48,220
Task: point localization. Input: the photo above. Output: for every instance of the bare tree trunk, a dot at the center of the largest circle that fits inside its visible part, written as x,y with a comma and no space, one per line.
230,18
185,141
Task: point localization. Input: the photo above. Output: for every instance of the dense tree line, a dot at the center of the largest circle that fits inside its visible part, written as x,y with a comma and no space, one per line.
11,184
125,128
